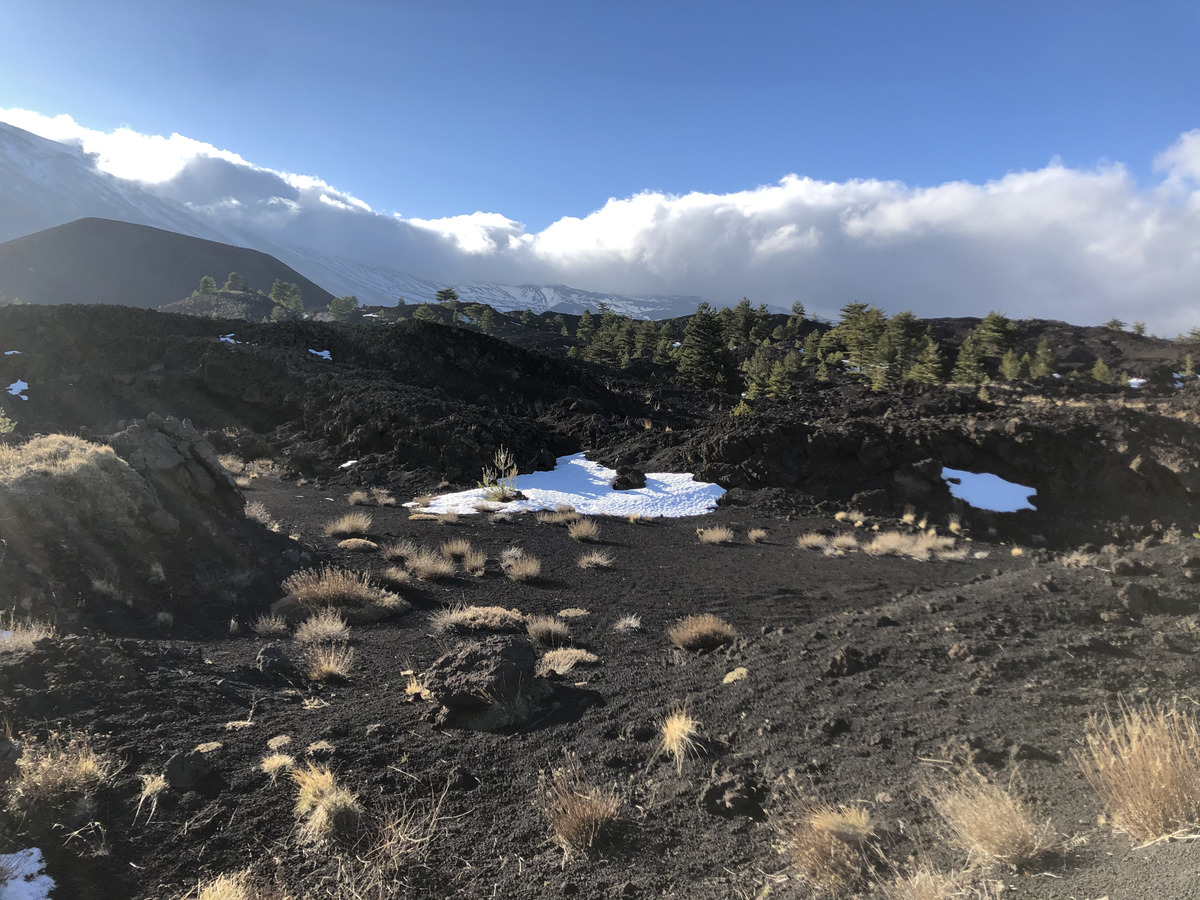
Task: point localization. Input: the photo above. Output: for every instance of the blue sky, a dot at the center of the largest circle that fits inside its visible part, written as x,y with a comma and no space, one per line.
1040,158
538,110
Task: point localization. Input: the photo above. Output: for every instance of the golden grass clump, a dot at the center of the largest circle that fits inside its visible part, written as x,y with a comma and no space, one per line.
326,809
702,632
580,815
399,551
279,741
455,549
922,883
756,535
1077,559
269,626
55,772
910,515
717,534
631,622
548,630
991,823
323,626
152,786
478,618
382,497
679,737
519,566
920,546
359,498
563,514
349,525
395,576
429,565
275,764
829,848
257,511
358,545
447,518
329,661
1145,765
843,542
341,588
812,540
22,635
475,563
583,530
564,659
596,559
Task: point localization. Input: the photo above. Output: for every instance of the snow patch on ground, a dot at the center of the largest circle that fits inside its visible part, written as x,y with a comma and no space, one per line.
348,463
1137,382
985,491
12,352
228,338
324,354
587,486
26,881
18,389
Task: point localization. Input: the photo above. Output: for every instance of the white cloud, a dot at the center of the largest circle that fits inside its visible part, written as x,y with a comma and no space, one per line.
1078,244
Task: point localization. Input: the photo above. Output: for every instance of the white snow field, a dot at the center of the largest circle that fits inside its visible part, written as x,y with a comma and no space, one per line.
25,878
587,486
985,491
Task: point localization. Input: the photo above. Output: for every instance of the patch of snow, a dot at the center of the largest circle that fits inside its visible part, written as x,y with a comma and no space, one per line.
12,352
985,491
27,881
1137,382
348,463
228,338
587,486
324,354
18,389
370,315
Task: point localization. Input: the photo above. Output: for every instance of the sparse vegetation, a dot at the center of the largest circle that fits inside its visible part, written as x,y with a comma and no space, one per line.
326,810
1145,765
717,534
270,626
923,883
475,563
349,525
991,823
597,559
61,770
429,565
564,659
358,545
702,632
329,661
519,566
828,848
583,530
812,541
499,480
399,551
18,634
547,630
456,548
275,764
921,545
579,814
679,736
152,786
631,622
358,498
323,626
478,618
351,592
756,535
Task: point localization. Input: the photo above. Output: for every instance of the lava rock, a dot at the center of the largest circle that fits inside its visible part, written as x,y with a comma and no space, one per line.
731,795
628,479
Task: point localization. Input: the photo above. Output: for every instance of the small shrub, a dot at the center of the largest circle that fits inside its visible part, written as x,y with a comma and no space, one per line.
329,661
631,622
679,737
394,576
547,630
269,626
22,635
326,809
989,822
828,847
920,546
583,530
499,480
324,626
597,559
274,764
232,464
423,501
52,774
349,525
844,542
563,514
564,659
428,565
447,518
1145,765
718,534
257,511
1077,559
703,632
579,814
478,618
756,535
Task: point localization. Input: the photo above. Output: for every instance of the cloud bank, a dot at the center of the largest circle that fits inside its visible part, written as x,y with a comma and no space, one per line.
1077,244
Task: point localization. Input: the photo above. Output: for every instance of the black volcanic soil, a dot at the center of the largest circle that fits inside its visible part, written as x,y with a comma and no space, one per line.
865,677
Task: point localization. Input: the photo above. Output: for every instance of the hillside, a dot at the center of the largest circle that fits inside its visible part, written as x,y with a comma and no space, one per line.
105,261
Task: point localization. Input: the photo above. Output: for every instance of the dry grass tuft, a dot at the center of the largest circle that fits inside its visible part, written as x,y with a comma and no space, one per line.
548,631
572,612
920,546
843,542
631,622
329,661
274,764
399,551
597,559
359,498
324,626
475,563
579,814
679,737
583,530
756,535
22,635
910,515
328,811
1145,765
57,772
564,659
562,515
358,545
349,525
923,883
829,847
478,618
991,823
279,741
269,626
954,524
456,548
1078,559
337,587
519,566
382,497
717,534
428,565
812,541
703,632
423,501
257,511
447,518
152,786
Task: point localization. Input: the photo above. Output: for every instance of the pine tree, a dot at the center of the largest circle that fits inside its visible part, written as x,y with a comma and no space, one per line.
969,368
664,349
930,366
1010,366
446,296
208,285
1114,324
487,320
1101,372
795,321
995,333
812,348
527,318
586,329
286,297
234,283
1045,360
704,361
1189,366
342,309
785,375
758,372
1139,328
904,342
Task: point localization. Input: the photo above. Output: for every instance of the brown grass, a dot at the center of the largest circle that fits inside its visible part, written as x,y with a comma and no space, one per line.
55,772
843,542
991,823
22,635
812,541
326,810
519,566
329,661
679,737
703,632
321,627
562,515
1077,559
399,551
564,659
269,626
423,501
717,534
275,764
428,565
358,545
336,587
548,631
580,815
359,498
257,511
631,622
447,518
1145,765
756,535
478,618
922,883
475,563
921,546
394,576
597,559
152,786
456,548
583,530
382,497
349,525
828,847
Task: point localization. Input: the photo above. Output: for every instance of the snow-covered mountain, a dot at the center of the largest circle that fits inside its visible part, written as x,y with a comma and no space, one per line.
44,183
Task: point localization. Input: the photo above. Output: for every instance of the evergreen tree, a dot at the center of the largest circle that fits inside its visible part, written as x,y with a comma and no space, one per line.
1139,328
995,334
286,297
664,349
645,338
969,368
785,375
1189,366
758,372
812,348
487,320
446,296
1010,366
586,329
234,283
342,309
930,365
1101,372
208,285
1045,360
1114,325
903,342
704,361
795,321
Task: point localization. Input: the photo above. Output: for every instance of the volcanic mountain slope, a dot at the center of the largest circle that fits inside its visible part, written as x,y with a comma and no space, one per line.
105,261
